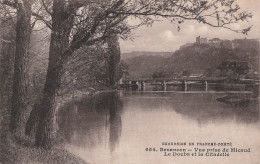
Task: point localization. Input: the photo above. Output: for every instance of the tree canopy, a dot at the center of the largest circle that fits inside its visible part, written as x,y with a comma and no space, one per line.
94,21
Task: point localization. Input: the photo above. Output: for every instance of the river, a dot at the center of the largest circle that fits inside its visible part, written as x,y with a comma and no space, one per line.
117,127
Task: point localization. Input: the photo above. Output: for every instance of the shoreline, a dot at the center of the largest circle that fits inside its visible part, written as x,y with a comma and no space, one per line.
21,150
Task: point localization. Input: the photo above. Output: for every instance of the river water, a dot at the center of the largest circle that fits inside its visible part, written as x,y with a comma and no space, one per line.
117,127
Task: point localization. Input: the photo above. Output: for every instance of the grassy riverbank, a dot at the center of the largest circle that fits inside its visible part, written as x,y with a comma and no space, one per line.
14,150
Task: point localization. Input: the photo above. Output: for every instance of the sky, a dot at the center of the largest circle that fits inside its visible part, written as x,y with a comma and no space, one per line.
164,36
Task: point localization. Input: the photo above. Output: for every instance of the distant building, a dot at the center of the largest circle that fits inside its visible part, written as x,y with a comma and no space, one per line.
200,40
228,44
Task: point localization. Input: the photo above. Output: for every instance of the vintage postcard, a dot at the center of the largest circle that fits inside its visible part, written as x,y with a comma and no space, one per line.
129,81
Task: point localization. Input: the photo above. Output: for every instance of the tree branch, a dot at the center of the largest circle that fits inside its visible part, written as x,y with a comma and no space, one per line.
10,4
45,7
41,18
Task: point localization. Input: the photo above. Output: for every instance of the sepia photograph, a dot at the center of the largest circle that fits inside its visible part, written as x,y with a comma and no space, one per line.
129,82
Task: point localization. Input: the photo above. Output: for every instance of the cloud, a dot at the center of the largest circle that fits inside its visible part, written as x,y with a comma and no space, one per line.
203,29
164,36
167,35
191,28
187,29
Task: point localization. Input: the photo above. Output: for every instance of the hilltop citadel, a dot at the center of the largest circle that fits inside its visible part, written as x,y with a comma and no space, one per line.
228,44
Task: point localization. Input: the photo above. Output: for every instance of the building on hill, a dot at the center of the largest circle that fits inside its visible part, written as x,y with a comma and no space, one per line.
200,40
228,44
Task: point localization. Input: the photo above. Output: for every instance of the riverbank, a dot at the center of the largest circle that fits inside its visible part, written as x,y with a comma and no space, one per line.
68,96
21,151
14,150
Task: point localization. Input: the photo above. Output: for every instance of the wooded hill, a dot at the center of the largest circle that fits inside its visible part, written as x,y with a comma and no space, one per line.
196,59
146,53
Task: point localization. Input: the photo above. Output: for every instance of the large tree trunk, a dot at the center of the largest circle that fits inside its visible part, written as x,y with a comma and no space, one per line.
32,122
7,61
61,28
113,58
47,106
23,32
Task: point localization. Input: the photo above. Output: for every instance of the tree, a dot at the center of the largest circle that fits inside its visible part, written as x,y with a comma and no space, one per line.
242,68
77,23
186,73
23,32
159,74
85,69
209,72
113,59
234,68
123,70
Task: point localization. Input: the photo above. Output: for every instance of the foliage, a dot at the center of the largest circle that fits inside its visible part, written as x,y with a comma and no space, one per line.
88,69
85,68
144,66
96,21
158,75
123,70
186,73
237,68
112,59
197,59
209,72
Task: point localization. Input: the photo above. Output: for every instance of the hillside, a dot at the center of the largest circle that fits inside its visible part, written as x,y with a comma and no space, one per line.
196,59
146,53
144,66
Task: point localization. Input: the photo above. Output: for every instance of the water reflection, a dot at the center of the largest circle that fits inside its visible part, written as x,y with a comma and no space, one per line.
119,125
92,121
202,107
115,123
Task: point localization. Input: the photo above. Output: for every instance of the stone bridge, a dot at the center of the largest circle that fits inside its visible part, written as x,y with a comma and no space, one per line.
184,81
